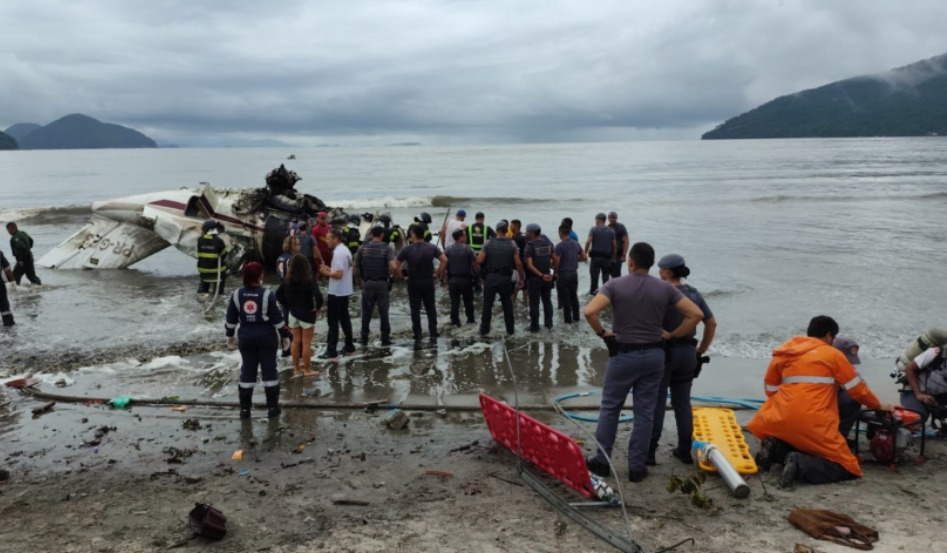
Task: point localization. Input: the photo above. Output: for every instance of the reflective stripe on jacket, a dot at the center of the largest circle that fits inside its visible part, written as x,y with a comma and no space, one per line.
210,251
802,406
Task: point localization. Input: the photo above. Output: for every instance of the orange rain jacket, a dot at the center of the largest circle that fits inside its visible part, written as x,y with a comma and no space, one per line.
802,404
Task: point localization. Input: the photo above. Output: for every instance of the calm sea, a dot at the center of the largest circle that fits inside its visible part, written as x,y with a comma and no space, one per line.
774,231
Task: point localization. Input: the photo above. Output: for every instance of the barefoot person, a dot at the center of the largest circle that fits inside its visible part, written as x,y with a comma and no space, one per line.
302,298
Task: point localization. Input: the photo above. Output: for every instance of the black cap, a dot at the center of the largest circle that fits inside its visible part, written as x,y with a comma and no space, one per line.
479,215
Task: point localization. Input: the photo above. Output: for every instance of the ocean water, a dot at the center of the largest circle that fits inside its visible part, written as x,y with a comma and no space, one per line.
774,232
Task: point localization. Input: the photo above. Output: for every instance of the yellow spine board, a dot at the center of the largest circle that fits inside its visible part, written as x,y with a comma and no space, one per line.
720,427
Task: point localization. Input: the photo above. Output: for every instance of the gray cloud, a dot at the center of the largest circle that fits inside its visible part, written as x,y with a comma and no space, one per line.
437,70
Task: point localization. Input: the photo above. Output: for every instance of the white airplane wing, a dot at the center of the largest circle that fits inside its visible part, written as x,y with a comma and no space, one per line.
104,244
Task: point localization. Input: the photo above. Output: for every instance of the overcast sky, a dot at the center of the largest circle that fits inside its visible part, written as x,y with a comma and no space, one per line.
439,71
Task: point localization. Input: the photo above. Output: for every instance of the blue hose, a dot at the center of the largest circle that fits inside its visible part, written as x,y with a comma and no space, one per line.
747,403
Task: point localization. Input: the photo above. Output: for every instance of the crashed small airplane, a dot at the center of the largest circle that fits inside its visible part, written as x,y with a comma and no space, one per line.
124,231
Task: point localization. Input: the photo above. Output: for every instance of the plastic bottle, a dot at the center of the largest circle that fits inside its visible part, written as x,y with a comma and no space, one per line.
604,492
121,402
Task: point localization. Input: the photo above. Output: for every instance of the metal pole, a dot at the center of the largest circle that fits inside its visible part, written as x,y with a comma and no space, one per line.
729,474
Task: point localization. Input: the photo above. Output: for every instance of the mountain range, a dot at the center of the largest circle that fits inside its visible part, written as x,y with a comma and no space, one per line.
906,101
77,131
7,142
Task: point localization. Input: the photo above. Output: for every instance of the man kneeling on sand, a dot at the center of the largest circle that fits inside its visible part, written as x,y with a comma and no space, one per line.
799,423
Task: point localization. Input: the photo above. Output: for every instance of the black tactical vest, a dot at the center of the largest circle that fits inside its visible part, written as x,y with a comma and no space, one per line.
499,256
542,254
374,264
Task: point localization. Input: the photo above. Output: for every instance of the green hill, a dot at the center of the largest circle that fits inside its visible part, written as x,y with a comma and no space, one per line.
907,101
81,131
7,142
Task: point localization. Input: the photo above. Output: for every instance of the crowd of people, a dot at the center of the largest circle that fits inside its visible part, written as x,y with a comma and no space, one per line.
814,392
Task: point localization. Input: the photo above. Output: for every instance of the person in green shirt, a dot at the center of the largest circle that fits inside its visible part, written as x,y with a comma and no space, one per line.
22,246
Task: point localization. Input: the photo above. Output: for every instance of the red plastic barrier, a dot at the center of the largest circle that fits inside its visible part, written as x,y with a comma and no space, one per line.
545,447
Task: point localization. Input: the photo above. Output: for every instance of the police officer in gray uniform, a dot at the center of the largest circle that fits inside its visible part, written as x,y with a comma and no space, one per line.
419,256
498,258
601,248
374,263
461,267
539,279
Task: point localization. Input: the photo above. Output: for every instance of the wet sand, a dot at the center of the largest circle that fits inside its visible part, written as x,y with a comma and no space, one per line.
132,490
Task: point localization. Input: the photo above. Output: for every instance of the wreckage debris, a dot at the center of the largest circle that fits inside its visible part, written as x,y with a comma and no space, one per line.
396,419
191,424
42,409
207,521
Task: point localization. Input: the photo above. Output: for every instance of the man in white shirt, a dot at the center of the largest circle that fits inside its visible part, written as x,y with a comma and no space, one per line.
447,231
340,288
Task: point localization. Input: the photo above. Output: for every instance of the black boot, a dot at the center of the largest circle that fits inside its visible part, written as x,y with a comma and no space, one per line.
246,401
272,401
7,319
652,459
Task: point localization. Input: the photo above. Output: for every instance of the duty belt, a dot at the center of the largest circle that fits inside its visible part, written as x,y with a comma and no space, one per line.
625,348
682,342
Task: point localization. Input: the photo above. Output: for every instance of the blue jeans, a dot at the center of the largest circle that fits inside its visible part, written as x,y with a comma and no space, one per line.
639,372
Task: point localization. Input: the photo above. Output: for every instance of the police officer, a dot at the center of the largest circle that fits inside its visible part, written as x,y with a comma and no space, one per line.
635,342
600,246
516,234
568,253
420,256
461,267
374,263
254,308
21,244
424,221
497,260
622,243
680,361
211,250
5,311
308,246
539,280
353,237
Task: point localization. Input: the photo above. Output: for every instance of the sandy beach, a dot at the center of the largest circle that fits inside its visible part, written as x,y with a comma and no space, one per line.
89,478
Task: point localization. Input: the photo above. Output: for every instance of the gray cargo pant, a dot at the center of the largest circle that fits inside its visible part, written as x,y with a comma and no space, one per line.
375,293
639,372
599,266
568,291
